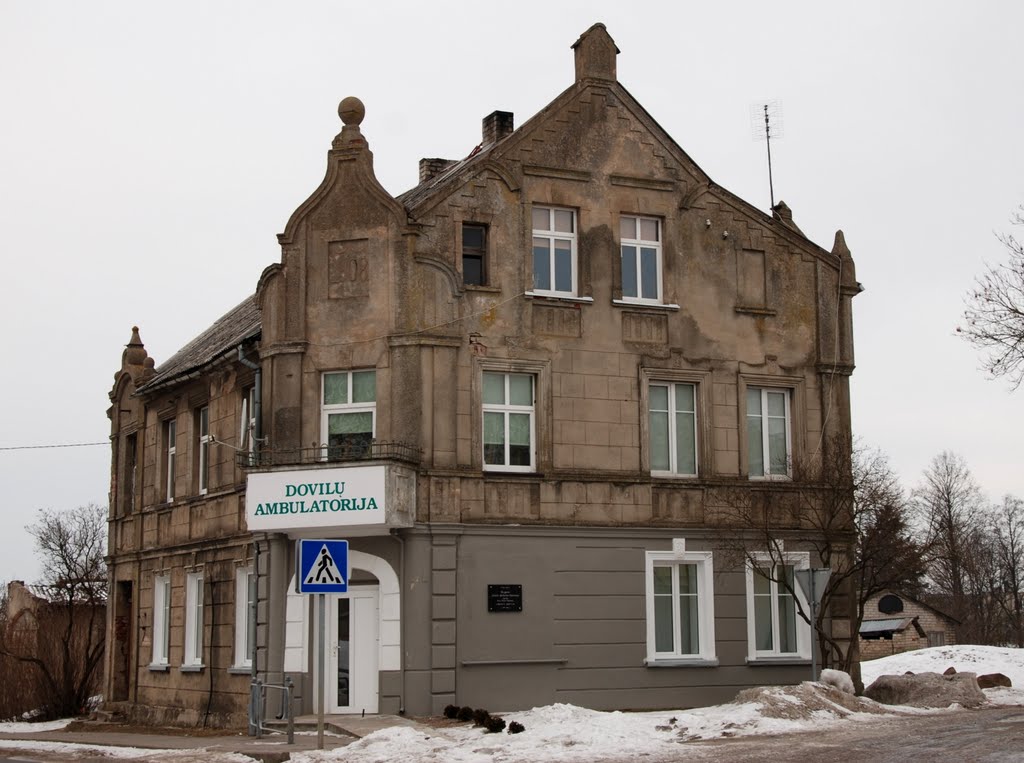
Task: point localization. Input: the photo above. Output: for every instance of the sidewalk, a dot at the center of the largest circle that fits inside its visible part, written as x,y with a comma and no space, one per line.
340,730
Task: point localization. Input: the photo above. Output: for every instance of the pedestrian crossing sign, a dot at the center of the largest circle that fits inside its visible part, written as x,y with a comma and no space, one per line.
322,566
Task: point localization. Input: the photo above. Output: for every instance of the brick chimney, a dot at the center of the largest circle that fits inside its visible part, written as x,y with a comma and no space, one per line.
431,168
498,125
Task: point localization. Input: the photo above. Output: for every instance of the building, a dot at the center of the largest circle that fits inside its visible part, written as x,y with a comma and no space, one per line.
524,391
895,622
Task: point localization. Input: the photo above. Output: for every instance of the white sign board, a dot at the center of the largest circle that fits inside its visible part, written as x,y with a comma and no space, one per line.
297,500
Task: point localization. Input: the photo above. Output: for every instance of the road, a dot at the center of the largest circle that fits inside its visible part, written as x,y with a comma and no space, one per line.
989,735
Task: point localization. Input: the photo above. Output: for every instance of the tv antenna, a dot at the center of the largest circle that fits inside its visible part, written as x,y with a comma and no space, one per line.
766,122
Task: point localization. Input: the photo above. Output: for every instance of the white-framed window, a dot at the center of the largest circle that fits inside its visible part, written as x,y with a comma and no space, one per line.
680,605
245,596
171,449
193,620
769,439
640,242
348,413
509,432
554,251
672,425
161,621
203,448
248,419
774,627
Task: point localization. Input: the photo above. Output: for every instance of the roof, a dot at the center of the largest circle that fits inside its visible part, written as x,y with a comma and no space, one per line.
241,323
883,626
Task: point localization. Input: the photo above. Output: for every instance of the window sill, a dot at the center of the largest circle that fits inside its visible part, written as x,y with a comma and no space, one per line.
192,668
480,288
159,667
240,670
771,478
793,659
682,662
673,476
559,297
645,305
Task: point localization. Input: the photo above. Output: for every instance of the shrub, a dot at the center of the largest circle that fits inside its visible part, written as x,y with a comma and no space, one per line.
494,725
516,728
465,713
450,711
480,717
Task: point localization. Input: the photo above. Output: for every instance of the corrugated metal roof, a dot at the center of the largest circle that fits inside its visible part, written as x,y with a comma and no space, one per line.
234,327
889,624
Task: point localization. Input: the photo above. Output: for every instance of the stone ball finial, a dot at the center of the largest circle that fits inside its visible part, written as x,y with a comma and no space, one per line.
351,110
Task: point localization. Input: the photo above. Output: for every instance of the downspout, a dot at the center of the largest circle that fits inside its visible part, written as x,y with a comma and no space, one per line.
401,616
257,406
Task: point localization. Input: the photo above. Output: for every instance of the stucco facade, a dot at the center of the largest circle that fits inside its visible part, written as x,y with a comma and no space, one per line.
560,359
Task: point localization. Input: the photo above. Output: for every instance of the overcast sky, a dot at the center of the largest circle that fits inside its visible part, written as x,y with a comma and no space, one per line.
149,153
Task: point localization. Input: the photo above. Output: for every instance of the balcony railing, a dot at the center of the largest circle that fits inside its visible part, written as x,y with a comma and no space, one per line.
363,451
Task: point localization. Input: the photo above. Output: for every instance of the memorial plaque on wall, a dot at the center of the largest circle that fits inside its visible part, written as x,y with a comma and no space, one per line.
506,597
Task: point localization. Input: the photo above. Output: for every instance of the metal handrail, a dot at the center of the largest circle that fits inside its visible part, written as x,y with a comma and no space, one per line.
376,450
258,702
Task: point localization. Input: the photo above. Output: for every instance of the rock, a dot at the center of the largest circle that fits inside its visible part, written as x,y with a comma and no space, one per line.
992,680
927,690
838,679
949,671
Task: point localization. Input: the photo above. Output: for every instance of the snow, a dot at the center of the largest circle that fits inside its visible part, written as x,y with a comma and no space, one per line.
567,734
22,727
71,751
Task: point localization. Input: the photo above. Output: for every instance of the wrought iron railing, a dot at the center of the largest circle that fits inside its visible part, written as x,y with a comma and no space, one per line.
376,450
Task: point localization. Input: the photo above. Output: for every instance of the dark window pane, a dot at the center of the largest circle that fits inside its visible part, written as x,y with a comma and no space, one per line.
472,270
473,236
474,251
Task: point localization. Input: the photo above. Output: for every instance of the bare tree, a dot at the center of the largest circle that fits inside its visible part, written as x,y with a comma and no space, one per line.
951,510
850,512
65,642
995,312
888,554
1008,536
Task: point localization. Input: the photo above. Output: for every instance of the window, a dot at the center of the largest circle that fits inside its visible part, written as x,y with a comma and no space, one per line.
171,449
508,421
774,627
161,620
193,620
680,605
131,468
203,441
672,410
554,251
474,254
768,433
348,413
245,596
641,259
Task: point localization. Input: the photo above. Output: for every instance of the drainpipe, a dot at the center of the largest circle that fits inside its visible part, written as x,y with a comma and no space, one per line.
401,615
257,406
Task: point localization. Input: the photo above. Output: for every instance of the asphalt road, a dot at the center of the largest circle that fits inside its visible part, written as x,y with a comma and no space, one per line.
989,735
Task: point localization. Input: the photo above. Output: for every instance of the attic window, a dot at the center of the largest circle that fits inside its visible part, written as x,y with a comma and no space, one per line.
890,604
474,254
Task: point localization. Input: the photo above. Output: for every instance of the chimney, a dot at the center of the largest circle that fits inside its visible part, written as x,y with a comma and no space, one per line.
431,168
498,125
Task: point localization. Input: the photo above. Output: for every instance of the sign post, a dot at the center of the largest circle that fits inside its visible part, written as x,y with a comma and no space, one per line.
322,568
813,584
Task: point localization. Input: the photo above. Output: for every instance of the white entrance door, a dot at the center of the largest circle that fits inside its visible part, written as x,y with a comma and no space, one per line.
352,647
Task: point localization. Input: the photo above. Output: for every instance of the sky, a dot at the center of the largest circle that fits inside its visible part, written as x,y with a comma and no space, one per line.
150,153
564,733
